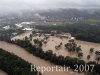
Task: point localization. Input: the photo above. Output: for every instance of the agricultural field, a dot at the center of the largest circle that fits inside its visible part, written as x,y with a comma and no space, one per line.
92,21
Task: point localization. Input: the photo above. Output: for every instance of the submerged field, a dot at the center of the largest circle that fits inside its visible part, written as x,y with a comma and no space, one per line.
51,43
54,41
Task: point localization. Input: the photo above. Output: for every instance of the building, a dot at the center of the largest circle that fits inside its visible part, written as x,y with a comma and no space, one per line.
19,25
27,29
62,36
47,34
6,27
14,33
72,38
65,35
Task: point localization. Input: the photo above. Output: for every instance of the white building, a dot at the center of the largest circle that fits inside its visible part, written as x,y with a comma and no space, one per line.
26,23
6,27
19,25
72,38
64,35
27,29
47,34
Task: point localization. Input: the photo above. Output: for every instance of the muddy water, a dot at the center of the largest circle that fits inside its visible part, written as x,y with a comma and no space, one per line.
32,59
54,41
22,36
3,73
86,47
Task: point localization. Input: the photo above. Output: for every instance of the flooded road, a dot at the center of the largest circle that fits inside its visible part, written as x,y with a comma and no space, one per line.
32,59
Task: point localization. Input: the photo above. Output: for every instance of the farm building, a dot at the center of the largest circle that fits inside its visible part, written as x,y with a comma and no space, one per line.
6,27
47,34
66,35
27,29
72,38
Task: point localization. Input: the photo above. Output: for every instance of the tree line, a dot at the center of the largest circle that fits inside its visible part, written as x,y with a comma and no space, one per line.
53,58
14,65
81,31
5,35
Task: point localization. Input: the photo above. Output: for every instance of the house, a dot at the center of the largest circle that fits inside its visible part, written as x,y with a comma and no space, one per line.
72,38
47,34
54,32
6,27
65,35
27,29
14,33
62,36
19,25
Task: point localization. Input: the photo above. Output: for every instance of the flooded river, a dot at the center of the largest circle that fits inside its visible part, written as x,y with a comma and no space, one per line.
3,73
32,59
54,41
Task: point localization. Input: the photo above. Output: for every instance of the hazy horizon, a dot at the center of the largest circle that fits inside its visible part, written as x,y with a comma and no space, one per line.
7,6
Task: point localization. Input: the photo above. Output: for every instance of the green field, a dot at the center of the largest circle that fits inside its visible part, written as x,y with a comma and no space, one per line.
55,23
87,21
92,21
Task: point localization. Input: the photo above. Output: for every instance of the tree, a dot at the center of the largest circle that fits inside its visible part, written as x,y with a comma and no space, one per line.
71,40
78,49
26,38
30,37
33,32
80,55
97,52
98,59
61,43
40,44
91,50
45,42
88,57
97,56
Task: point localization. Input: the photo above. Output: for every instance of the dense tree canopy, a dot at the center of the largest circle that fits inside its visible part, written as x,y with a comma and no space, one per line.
14,65
81,31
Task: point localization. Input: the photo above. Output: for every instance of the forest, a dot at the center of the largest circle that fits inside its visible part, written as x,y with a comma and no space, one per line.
81,31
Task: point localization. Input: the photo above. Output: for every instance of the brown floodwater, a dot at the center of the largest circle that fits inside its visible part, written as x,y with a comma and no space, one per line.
3,73
54,41
33,59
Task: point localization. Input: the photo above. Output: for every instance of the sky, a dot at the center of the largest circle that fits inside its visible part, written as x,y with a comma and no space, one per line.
17,5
